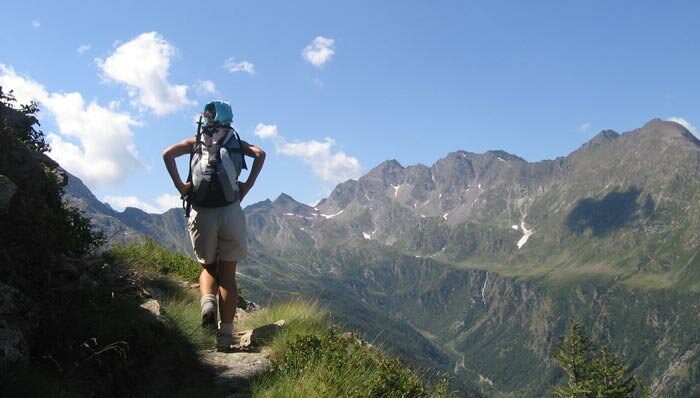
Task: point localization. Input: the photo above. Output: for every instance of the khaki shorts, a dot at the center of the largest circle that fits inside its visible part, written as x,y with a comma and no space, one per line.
218,232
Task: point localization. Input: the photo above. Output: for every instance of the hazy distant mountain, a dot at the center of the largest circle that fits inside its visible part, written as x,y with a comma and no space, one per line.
169,228
474,265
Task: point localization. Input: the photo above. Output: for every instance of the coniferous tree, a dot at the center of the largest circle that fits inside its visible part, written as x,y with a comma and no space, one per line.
574,356
610,376
593,373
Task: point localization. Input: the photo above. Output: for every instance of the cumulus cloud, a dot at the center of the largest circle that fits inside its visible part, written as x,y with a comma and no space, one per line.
83,48
167,201
319,51
266,131
143,65
162,203
244,66
331,166
25,90
204,87
94,142
685,124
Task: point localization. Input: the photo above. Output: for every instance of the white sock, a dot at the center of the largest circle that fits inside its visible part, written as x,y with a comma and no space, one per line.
208,302
226,328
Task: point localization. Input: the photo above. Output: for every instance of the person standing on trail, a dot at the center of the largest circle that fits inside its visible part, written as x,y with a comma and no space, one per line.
216,222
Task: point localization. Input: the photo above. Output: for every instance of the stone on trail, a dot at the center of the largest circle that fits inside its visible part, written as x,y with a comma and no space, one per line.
257,336
237,369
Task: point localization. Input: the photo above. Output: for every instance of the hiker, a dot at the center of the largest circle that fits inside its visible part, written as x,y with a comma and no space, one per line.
216,222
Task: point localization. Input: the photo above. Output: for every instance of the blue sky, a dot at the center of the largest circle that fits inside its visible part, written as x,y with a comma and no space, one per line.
331,89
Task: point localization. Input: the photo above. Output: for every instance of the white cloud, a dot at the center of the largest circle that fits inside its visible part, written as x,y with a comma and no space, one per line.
584,127
204,87
685,124
266,131
36,23
244,66
83,48
319,51
95,143
331,166
167,201
143,65
163,203
24,90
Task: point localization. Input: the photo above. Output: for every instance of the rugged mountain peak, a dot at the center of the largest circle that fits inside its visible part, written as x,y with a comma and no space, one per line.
386,169
458,154
503,155
603,138
392,163
284,199
287,204
134,212
80,196
606,135
667,130
258,205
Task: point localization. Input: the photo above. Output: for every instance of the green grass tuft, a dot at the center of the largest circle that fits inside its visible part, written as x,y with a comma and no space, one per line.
312,360
150,257
302,318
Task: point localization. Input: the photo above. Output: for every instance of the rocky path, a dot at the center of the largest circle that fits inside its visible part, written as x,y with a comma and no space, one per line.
235,370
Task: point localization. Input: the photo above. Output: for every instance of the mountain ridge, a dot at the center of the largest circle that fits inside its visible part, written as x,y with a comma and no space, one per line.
490,256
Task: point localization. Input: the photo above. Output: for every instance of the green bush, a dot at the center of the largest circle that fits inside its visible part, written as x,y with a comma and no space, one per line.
37,227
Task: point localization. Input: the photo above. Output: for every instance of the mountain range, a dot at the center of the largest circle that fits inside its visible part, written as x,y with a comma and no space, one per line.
474,266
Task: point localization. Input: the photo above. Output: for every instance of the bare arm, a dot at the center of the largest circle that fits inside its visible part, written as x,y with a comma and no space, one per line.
258,156
183,147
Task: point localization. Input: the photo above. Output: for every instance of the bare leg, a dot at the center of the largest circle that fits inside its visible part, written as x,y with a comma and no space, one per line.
208,287
207,280
228,291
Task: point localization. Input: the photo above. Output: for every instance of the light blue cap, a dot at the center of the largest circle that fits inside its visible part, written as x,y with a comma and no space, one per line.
224,114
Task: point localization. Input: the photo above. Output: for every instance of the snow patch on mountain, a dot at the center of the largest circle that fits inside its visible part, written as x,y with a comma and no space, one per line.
526,234
327,216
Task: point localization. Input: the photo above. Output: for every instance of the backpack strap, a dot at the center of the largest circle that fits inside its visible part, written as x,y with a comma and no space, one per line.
234,134
240,149
186,199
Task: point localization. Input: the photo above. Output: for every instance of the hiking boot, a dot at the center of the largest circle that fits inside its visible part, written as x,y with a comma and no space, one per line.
209,322
224,342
